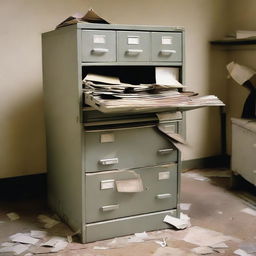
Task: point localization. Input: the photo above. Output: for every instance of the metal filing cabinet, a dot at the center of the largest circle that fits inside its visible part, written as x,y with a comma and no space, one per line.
89,151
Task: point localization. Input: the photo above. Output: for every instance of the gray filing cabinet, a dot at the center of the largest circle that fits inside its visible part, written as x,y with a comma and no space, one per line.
243,161
88,151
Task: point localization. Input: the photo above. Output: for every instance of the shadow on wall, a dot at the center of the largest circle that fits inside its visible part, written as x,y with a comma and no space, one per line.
23,144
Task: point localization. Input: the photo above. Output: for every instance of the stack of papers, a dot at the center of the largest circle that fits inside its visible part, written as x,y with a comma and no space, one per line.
108,95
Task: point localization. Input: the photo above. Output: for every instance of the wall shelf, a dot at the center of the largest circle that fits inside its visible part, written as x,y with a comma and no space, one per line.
233,41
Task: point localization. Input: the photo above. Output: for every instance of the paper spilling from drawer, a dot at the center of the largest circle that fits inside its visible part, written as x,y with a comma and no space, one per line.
108,95
129,185
179,223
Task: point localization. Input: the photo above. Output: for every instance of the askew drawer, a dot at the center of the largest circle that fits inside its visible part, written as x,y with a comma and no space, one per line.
127,148
104,202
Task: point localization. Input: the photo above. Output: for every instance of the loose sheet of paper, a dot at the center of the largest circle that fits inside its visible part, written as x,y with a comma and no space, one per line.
129,185
204,237
13,216
180,223
102,79
168,77
23,238
249,211
240,73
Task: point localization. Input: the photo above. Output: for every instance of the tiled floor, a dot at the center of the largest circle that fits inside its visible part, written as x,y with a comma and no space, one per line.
213,206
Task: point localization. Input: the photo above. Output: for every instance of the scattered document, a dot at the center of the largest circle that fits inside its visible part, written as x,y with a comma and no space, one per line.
204,237
185,206
129,185
48,222
203,250
179,223
168,77
164,251
248,247
38,234
162,243
241,253
13,216
23,238
17,249
249,211
240,73
219,246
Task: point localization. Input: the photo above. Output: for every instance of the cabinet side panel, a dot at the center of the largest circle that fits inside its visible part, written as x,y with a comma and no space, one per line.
61,78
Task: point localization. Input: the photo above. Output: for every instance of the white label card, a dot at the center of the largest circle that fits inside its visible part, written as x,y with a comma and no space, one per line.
107,137
107,184
133,40
166,40
163,175
99,39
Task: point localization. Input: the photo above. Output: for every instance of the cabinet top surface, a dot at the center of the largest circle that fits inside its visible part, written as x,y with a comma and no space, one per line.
153,28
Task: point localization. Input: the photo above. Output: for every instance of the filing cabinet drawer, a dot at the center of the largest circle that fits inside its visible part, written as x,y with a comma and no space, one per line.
166,46
104,202
127,148
98,46
133,46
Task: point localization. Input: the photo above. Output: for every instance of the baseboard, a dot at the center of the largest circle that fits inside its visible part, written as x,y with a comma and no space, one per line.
23,187
207,162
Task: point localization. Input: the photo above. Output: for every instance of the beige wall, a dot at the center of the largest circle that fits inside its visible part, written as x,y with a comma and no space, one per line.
242,17
22,138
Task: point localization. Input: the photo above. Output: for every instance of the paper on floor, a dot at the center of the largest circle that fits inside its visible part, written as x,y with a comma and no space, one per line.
241,253
185,206
23,238
195,176
53,241
180,223
48,222
142,235
17,249
162,243
38,233
129,185
60,245
13,216
219,246
248,247
203,250
204,237
168,251
249,211
100,248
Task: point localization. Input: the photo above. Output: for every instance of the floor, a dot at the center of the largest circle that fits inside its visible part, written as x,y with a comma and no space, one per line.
213,207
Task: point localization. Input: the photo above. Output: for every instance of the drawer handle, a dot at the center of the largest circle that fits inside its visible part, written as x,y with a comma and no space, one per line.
134,51
165,151
163,196
99,50
107,208
167,52
109,161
